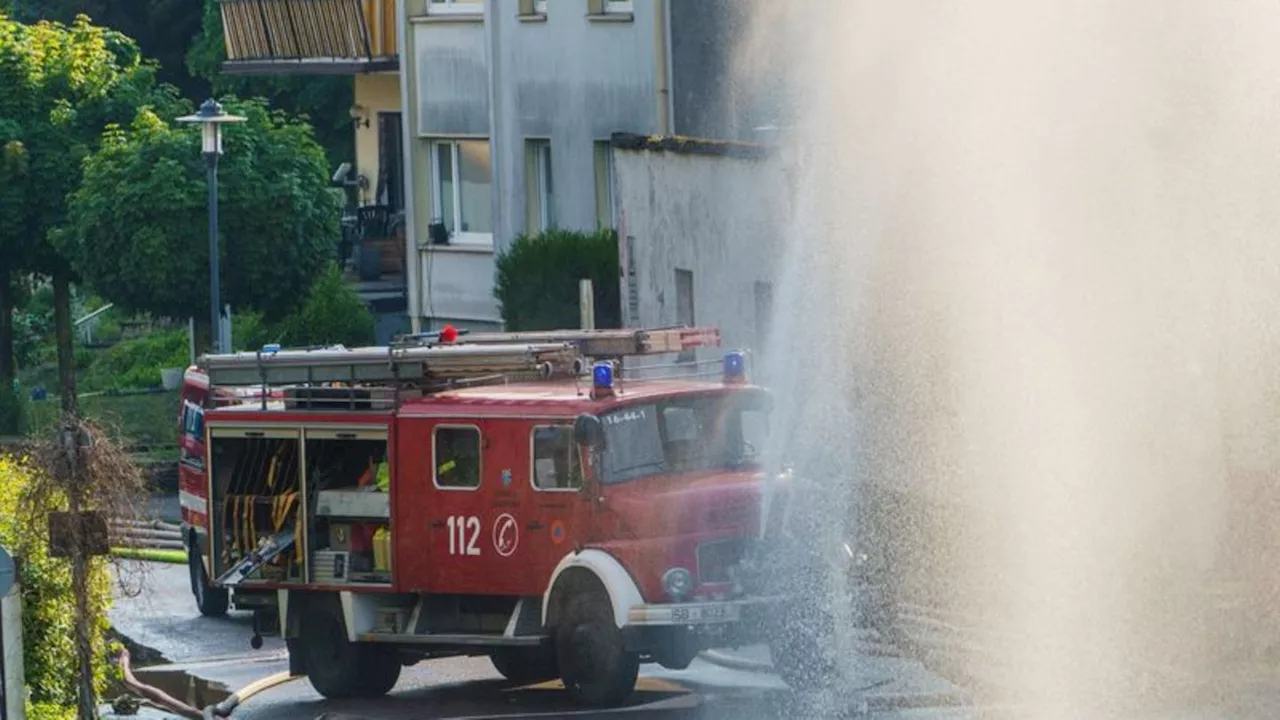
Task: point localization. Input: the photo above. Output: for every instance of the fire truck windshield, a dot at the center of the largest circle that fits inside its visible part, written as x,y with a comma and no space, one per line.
684,434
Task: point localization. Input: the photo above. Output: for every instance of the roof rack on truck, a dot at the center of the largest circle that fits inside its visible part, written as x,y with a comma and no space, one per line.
437,361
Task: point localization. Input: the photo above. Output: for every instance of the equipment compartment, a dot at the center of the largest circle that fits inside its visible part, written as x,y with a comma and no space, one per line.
349,477
257,505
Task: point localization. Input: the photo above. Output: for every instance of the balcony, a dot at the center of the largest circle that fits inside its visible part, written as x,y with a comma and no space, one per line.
309,37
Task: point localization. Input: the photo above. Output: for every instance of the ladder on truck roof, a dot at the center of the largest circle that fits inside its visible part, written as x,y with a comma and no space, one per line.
421,362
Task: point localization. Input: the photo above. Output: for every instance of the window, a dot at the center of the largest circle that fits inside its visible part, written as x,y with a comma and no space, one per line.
604,184
685,434
555,459
684,307
533,7
540,207
460,170
610,7
455,7
457,457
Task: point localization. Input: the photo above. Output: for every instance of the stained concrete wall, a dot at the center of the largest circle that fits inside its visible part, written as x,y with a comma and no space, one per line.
706,212
11,617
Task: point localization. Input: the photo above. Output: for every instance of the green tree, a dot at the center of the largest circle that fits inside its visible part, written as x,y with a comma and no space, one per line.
62,84
324,101
138,218
163,29
537,279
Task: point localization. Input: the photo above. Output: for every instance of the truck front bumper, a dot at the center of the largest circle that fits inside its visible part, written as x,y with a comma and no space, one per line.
673,633
716,612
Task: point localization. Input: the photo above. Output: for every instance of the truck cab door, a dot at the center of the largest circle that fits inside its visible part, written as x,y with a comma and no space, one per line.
560,508
474,533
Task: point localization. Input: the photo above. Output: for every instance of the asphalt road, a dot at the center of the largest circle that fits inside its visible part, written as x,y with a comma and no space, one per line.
163,617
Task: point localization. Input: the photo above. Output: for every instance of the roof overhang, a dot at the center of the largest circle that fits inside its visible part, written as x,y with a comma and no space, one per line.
310,66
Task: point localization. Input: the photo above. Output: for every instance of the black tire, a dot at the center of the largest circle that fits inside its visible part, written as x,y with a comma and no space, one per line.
211,601
337,667
595,665
525,665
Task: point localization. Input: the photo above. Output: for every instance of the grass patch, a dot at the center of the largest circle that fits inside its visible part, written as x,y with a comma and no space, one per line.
147,419
176,557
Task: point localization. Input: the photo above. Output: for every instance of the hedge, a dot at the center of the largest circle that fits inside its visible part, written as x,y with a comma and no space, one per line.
537,279
48,610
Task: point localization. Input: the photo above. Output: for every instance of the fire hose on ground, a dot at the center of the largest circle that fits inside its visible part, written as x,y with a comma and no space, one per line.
219,710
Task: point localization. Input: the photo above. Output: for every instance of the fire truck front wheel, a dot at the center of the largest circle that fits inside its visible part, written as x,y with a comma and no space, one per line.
595,664
211,601
339,668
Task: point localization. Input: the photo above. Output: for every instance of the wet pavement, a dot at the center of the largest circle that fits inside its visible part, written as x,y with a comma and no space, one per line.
216,651
162,616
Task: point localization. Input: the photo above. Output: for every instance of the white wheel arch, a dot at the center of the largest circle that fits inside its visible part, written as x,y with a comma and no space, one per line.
623,592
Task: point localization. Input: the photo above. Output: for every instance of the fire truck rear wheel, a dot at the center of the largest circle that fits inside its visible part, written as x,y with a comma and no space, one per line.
339,668
525,665
211,601
594,662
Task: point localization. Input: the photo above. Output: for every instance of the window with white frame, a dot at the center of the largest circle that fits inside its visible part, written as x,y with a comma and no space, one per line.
540,204
455,7
461,199
555,458
603,153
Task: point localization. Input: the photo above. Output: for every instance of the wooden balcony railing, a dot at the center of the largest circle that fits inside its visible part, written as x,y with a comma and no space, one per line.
309,36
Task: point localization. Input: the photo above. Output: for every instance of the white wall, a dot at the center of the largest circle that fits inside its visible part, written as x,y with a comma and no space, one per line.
11,616
709,213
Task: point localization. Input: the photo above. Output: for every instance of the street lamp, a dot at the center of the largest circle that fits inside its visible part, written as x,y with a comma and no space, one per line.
211,117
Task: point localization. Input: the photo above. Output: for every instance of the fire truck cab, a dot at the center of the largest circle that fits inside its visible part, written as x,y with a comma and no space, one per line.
523,496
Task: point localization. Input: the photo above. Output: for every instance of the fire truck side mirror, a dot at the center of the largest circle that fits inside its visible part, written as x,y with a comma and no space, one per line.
588,431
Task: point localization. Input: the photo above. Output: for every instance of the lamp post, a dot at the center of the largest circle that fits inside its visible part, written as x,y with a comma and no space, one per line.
211,117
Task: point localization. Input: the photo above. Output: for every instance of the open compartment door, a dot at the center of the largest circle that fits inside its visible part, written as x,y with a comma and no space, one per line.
258,505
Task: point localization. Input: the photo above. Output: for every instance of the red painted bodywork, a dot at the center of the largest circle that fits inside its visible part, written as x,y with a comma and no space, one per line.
649,524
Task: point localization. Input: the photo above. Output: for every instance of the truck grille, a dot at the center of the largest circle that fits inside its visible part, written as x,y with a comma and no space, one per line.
715,559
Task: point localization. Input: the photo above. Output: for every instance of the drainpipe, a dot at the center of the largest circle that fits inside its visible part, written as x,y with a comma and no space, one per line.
409,135
662,62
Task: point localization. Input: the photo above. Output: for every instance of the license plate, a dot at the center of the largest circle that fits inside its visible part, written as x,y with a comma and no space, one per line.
696,614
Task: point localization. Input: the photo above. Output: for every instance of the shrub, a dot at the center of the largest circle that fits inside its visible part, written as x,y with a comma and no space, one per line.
537,279
48,612
137,363
333,313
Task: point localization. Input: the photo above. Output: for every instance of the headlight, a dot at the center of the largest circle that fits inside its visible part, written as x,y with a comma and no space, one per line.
677,582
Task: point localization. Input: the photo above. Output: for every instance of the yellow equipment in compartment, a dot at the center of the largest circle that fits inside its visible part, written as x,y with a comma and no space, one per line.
382,550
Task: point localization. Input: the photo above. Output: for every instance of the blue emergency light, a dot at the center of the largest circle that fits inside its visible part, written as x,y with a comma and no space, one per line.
602,376
271,348
602,380
735,367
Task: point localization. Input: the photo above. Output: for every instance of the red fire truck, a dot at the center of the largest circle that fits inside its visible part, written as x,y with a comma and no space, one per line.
524,496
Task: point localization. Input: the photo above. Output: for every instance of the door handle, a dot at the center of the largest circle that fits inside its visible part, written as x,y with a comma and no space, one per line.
535,525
